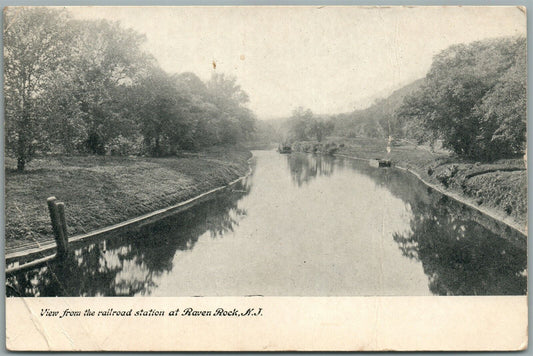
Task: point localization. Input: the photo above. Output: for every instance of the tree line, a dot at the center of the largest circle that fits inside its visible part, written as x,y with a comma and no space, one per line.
302,125
473,100
87,86
379,120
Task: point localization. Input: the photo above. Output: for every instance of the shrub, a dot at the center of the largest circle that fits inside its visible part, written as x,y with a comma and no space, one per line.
122,146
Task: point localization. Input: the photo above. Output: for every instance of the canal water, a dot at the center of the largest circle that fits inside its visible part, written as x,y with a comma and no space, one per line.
300,225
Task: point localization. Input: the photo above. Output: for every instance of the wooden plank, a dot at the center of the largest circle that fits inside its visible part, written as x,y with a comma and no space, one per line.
56,210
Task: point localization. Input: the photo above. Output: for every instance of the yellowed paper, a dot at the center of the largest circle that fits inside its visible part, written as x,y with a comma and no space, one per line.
311,324
362,283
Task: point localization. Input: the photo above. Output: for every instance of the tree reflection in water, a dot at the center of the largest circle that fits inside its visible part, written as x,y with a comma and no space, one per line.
126,265
305,167
461,257
462,251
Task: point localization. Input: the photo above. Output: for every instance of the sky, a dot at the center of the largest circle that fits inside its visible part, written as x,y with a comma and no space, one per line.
328,59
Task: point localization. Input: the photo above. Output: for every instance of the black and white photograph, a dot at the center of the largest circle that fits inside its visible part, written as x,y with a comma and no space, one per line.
265,151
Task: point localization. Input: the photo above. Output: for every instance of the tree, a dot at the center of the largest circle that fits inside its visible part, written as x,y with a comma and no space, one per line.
79,85
320,128
234,121
202,112
411,117
303,125
161,113
503,114
36,49
63,123
474,98
225,91
298,124
109,60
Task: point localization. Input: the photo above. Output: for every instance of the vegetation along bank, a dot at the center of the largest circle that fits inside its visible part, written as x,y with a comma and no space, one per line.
105,190
498,188
92,118
461,129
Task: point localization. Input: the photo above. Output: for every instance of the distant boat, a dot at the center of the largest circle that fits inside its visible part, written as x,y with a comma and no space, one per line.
378,162
284,149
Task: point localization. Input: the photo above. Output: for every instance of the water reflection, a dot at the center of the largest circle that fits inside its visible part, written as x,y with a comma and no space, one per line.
462,251
301,225
305,168
462,258
128,265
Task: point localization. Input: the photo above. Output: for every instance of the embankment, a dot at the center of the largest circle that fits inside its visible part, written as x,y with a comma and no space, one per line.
101,191
498,189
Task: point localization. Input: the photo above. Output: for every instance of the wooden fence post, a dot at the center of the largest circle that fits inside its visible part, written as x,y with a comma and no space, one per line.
57,216
61,210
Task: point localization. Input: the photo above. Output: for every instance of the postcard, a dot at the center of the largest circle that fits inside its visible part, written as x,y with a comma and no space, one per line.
265,178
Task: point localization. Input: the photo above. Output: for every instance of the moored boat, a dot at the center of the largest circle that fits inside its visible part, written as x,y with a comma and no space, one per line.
378,162
284,149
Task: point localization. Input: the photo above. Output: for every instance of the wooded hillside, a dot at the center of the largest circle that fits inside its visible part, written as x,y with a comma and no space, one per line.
87,86
473,100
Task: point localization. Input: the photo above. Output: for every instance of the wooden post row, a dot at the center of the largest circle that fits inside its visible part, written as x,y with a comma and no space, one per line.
59,226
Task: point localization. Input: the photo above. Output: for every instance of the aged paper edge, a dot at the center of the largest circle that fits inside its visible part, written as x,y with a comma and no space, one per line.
285,324
300,323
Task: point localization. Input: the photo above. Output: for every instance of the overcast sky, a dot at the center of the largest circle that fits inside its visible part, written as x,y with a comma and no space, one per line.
328,59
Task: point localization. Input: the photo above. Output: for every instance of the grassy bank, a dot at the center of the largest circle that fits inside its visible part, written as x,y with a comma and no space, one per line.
498,187
100,191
